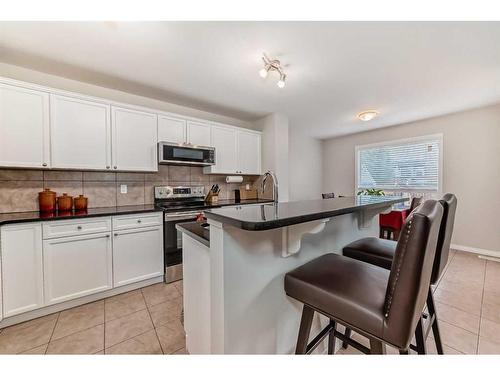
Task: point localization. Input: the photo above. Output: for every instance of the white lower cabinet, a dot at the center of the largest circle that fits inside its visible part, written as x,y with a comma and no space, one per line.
22,270
137,255
62,260
77,266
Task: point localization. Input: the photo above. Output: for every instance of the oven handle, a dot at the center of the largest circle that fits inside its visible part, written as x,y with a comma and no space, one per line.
183,216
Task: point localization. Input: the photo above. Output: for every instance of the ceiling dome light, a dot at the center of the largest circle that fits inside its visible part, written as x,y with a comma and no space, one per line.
368,115
271,66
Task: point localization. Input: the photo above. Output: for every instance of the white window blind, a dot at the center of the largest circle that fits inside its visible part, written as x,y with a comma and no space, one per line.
405,165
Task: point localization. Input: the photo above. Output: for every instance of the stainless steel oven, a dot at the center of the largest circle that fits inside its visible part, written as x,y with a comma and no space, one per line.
173,243
185,153
180,204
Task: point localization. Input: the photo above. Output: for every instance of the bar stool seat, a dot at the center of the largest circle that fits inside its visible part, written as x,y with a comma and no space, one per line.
381,252
354,290
377,251
383,306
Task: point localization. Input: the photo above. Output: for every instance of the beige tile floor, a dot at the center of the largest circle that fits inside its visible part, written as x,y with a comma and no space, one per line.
147,321
468,306
144,321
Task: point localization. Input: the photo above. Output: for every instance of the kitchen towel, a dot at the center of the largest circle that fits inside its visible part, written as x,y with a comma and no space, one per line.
234,179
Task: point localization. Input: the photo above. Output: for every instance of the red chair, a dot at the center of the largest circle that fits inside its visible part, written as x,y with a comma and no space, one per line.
391,223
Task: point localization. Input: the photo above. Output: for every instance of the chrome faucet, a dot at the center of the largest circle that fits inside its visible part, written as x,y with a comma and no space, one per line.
275,184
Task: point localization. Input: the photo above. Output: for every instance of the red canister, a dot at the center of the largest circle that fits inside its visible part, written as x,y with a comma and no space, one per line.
65,202
47,200
80,203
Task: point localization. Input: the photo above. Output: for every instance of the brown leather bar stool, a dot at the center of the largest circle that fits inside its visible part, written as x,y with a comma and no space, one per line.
381,252
384,306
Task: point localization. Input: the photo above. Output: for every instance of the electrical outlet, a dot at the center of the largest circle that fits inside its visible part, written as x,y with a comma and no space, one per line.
123,189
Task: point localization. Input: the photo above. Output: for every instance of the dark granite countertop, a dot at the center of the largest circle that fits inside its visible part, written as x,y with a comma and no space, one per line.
196,231
20,217
271,215
232,202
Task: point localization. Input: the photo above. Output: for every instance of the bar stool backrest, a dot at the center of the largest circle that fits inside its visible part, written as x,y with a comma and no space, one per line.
449,203
410,275
415,202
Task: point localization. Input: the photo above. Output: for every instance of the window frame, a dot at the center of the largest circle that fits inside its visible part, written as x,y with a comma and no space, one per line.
431,137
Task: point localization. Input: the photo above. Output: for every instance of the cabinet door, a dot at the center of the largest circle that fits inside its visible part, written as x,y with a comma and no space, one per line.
248,146
22,270
198,133
171,129
76,266
24,127
137,255
80,135
135,138
224,141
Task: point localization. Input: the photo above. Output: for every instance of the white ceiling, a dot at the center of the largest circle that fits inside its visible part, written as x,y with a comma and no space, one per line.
405,70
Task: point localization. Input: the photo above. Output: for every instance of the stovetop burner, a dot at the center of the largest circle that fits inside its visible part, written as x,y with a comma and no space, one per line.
180,198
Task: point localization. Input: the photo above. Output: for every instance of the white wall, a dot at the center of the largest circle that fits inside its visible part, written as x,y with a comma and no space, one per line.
305,163
275,148
33,76
471,168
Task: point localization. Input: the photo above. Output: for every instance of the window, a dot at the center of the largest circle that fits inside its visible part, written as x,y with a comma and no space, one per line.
405,165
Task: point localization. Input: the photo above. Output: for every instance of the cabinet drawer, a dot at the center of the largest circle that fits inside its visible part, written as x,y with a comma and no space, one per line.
74,227
137,221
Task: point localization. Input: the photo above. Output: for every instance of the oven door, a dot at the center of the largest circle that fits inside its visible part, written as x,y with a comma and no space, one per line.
173,243
174,153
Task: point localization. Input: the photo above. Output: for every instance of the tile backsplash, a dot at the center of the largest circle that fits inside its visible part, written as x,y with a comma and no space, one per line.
19,188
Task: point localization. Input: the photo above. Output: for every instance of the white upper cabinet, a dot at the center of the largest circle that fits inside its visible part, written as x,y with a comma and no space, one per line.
24,127
22,268
135,138
199,133
80,133
224,141
248,146
48,128
171,129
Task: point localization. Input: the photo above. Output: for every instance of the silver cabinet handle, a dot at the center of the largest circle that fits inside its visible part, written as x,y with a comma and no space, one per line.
116,234
44,164
107,167
79,227
139,221
107,235
115,167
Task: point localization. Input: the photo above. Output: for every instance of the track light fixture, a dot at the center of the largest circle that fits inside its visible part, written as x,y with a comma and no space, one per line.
273,65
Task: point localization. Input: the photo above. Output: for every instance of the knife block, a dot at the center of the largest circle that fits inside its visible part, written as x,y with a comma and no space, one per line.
212,197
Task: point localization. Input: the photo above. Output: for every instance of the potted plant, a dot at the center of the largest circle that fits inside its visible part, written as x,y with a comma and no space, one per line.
374,192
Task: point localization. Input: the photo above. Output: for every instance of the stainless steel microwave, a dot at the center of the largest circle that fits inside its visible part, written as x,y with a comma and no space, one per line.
185,153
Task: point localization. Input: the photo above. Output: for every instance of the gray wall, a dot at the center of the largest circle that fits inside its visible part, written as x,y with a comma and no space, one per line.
471,143
305,158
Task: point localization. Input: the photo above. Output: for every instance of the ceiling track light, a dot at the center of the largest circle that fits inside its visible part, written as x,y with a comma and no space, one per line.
273,66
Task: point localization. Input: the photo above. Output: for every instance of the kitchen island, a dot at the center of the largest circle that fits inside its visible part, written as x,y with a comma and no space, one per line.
234,300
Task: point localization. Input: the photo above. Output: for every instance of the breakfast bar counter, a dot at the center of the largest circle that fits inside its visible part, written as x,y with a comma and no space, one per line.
234,300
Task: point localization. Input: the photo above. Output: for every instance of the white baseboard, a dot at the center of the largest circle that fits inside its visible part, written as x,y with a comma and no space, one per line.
475,250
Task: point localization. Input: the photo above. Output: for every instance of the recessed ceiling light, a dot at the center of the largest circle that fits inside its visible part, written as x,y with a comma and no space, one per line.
367,115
